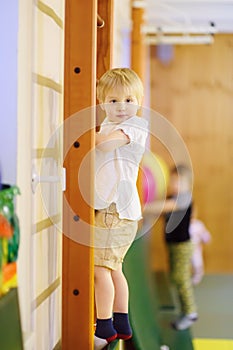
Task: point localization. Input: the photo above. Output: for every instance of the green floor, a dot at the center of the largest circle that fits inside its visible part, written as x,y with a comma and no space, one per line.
151,322
153,304
10,327
214,297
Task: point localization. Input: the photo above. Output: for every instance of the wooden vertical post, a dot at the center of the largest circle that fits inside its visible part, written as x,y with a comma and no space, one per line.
104,43
80,92
105,37
138,50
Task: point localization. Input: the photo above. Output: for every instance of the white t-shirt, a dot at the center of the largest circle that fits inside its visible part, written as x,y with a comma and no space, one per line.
117,171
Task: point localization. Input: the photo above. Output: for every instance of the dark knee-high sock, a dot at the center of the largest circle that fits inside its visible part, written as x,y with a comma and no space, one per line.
105,329
122,325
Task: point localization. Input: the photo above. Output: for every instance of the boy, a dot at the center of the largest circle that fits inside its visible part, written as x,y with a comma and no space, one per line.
120,144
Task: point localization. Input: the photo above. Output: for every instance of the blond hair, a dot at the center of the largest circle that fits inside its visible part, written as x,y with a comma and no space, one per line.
124,78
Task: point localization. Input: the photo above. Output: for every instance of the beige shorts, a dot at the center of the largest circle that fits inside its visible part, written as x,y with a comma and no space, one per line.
113,237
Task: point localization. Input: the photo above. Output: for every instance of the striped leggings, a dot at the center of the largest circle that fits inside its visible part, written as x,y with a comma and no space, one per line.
180,272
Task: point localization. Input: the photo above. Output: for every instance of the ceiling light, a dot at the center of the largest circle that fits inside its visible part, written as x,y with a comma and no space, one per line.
179,39
180,29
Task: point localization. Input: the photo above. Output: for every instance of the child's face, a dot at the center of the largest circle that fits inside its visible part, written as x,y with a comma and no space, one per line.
178,184
119,105
174,184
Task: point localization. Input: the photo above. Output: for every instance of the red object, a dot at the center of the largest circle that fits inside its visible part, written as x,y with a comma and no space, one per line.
6,230
9,270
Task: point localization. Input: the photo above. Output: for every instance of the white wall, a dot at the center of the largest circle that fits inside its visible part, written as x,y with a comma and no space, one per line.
122,33
8,89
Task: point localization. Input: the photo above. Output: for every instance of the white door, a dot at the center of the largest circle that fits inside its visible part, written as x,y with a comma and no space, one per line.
39,170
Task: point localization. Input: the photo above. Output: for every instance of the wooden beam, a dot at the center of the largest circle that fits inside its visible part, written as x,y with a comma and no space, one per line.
80,92
105,37
138,46
138,57
104,44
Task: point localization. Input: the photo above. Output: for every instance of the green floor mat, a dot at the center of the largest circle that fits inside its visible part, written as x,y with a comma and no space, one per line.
10,327
150,323
143,301
166,299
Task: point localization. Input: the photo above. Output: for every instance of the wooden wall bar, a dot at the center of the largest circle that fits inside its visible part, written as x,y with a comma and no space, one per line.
194,91
80,92
105,37
88,26
137,39
104,45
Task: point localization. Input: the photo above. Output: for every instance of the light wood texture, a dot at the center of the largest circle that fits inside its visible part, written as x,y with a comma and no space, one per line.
194,92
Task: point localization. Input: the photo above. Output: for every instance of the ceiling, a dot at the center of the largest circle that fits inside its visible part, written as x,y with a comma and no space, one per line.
190,15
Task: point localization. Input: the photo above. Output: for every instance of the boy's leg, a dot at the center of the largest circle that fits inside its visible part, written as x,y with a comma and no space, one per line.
104,297
120,306
121,291
104,292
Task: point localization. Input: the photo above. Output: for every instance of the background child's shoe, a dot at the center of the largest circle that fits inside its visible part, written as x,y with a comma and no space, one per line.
184,322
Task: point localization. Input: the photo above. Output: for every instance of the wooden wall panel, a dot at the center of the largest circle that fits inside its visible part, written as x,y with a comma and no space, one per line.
194,91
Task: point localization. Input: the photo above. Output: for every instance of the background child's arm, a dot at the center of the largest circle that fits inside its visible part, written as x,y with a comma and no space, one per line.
160,206
205,235
108,143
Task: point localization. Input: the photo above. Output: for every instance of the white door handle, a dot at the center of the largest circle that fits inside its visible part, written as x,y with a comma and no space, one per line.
36,179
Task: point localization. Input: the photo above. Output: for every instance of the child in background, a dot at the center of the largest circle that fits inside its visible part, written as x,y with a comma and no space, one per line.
199,235
177,213
120,145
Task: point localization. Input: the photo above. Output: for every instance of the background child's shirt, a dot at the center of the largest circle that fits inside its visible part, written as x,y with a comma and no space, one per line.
177,222
117,171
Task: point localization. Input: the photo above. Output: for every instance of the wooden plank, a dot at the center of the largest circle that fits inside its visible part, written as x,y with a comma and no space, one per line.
138,52
104,45
105,37
80,82
138,49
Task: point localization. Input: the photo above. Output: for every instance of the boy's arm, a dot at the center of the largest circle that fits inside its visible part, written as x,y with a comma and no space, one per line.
108,143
